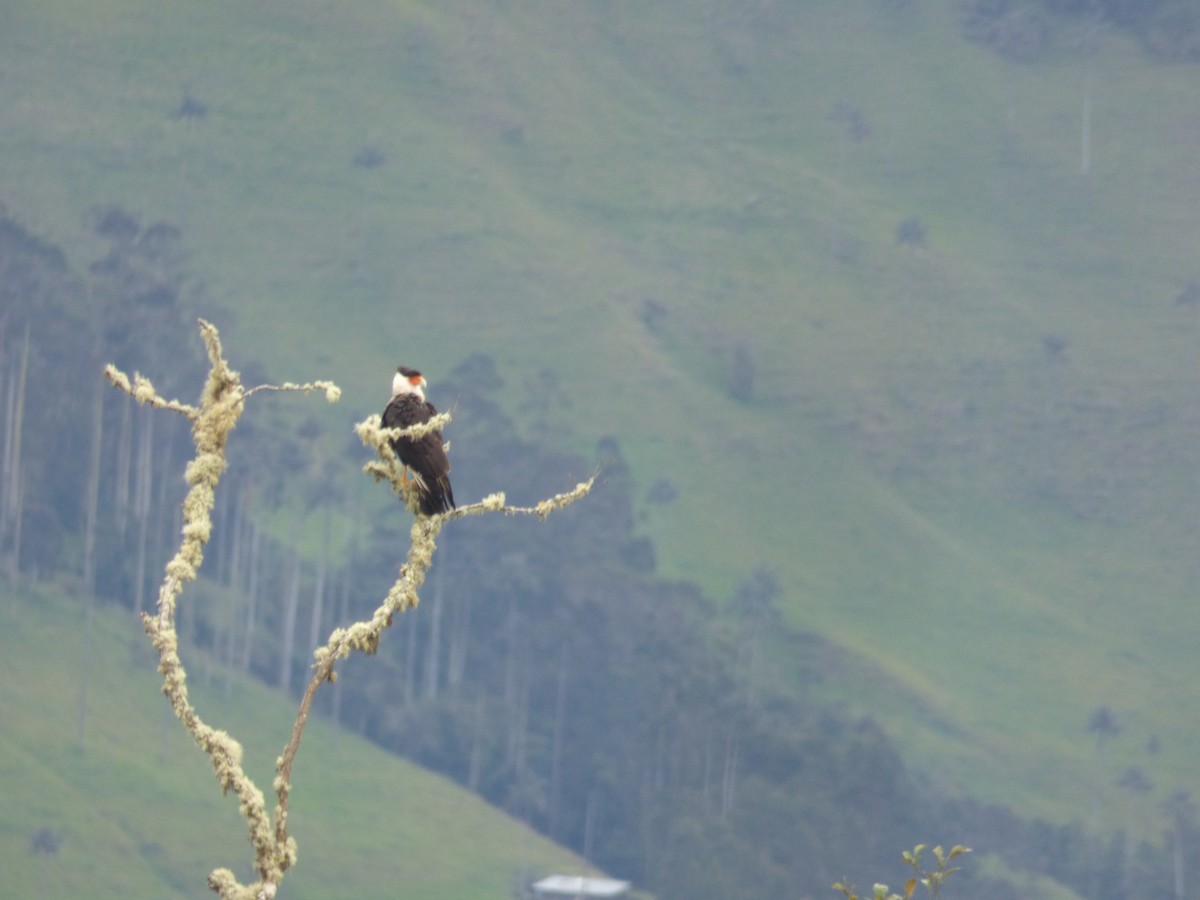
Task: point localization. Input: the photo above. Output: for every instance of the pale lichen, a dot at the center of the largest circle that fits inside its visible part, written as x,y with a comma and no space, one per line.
333,393
118,378
221,404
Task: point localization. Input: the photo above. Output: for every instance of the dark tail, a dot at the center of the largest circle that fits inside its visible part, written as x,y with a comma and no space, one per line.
437,497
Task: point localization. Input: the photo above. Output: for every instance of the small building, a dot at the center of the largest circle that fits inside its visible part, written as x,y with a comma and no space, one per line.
576,887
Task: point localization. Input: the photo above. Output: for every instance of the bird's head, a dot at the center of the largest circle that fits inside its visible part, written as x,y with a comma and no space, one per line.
408,381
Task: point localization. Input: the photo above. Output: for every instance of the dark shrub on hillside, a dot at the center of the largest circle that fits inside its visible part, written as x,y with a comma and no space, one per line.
911,232
1173,32
1015,29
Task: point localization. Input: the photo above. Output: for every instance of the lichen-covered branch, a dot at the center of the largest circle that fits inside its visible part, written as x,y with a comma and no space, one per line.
364,637
332,392
388,467
222,402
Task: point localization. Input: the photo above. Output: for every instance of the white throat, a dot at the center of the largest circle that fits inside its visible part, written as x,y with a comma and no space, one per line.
401,385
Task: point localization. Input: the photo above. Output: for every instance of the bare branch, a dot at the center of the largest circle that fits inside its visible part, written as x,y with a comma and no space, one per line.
143,391
332,392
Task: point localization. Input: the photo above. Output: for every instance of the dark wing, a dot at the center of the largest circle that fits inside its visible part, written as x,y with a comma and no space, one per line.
404,411
424,455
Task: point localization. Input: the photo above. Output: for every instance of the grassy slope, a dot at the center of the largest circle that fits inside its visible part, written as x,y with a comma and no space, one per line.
140,812
912,464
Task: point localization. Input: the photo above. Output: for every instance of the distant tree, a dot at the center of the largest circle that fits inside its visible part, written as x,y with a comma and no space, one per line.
114,224
45,341
742,373
1090,46
1055,347
1135,780
1130,13
291,607
911,232
1172,31
45,842
142,296
1014,28
1102,722
1181,812
513,133
662,492
1190,295
542,398
140,300
639,555
1169,29
653,314
13,508
190,108
368,158
756,606
854,123
90,526
855,128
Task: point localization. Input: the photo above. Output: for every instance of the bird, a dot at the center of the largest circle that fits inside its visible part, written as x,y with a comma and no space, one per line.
425,455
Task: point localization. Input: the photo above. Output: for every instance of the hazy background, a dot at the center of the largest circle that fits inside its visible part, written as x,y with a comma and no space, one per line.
881,316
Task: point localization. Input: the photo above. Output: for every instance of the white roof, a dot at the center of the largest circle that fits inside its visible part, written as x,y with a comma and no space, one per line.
577,886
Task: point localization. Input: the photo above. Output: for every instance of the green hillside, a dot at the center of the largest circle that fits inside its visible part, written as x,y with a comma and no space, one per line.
139,813
971,460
